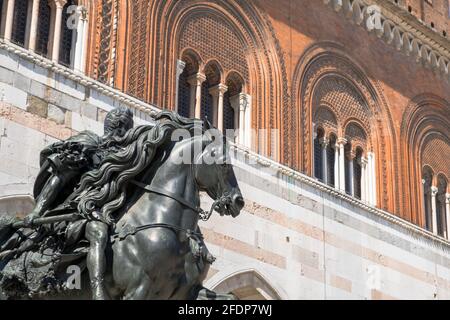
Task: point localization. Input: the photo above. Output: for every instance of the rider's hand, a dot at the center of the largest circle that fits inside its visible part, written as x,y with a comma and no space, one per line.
28,221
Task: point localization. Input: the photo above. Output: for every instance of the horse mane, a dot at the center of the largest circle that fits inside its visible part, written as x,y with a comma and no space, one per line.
102,191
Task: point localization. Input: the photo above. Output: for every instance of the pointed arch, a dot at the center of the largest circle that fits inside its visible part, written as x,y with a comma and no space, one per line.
246,284
245,44
425,139
329,60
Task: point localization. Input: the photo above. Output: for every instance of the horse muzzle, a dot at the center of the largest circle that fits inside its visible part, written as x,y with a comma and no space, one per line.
236,204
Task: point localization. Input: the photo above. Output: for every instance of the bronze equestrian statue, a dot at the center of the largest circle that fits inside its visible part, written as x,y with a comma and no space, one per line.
124,207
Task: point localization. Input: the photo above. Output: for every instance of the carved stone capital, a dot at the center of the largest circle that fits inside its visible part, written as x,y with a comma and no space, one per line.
196,79
180,67
341,141
324,142
434,191
58,4
364,161
218,90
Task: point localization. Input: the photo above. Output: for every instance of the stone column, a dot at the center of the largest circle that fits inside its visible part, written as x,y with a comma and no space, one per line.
336,166
180,68
241,104
242,107
196,81
56,38
342,142
217,93
248,121
7,19
324,145
447,213
363,179
28,14
373,180
235,102
434,192
84,19
78,38
33,25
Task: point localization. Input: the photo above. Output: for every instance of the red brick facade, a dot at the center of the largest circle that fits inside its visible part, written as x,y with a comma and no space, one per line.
302,63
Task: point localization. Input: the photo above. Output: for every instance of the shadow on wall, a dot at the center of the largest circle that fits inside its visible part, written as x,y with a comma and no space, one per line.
16,205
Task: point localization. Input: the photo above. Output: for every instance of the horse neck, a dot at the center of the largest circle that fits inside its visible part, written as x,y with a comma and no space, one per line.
174,177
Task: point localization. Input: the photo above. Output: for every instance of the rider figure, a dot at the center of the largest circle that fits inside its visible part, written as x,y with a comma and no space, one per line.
62,165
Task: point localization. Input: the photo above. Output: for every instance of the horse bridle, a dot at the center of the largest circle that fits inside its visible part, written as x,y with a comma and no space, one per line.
204,215
222,201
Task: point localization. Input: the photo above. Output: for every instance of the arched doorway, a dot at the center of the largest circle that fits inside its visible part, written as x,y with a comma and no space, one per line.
245,285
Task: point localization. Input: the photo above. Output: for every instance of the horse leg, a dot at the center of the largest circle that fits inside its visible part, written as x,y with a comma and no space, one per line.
97,234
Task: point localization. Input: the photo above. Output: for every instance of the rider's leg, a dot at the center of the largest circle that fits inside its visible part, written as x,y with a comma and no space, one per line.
50,192
97,234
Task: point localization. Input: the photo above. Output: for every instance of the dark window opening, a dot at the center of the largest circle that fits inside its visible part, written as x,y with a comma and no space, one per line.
184,95
357,175
43,32
348,178
19,22
206,103
318,170
228,113
331,154
66,37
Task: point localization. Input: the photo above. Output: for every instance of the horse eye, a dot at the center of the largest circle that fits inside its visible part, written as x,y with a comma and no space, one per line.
213,153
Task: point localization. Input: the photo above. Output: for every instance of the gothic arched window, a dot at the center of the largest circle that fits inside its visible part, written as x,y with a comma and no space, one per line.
19,26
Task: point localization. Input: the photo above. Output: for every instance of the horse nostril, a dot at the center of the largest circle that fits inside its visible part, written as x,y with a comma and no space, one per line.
239,202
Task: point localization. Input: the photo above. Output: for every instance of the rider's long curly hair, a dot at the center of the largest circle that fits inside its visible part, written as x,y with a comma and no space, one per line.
103,191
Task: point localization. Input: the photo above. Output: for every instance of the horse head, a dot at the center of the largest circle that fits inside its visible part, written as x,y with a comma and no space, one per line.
214,173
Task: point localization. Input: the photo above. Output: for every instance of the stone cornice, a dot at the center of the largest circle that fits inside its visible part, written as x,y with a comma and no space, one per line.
400,30
280,170
79,78
400,15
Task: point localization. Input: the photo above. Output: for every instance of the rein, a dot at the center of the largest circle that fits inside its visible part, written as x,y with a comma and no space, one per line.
204,215
128,230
